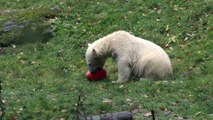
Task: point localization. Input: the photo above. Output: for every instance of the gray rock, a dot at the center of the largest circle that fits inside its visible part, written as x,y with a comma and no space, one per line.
111,116
9,26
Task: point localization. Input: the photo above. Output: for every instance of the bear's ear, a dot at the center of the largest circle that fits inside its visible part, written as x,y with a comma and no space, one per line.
89,44
94,52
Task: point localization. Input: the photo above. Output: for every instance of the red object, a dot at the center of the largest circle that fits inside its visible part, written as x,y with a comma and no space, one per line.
98,75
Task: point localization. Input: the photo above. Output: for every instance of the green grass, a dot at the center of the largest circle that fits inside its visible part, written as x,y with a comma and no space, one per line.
43,80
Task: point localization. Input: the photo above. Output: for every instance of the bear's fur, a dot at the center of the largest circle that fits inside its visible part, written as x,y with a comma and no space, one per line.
134,56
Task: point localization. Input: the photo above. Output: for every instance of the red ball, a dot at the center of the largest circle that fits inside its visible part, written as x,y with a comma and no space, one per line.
98,75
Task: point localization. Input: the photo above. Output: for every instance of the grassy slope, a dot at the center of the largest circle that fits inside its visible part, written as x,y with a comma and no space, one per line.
44,80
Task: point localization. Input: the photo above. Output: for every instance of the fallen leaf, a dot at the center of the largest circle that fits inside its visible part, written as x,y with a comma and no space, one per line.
128,100
145,96
21,109
167,113
21,53
167,28
82,61
130,12
163,108
107,100
135,110
178,24
22,61
210,115
166,45
175,8
1,113
165,81
13,46
64,110
190,34
175,103
147,114
4,101
33,62
187,54
172,39
157,19
198,113
121,86
179,118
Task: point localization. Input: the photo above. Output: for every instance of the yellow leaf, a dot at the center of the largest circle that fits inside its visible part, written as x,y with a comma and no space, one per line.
167,28
147,114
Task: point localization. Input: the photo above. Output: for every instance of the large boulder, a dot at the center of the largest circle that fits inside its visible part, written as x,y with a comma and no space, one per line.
26,26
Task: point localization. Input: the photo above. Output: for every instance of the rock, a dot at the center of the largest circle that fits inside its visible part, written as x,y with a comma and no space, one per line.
9,25
25,26
53,11
111,116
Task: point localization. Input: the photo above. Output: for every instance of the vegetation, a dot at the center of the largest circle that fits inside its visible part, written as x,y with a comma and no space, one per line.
42,80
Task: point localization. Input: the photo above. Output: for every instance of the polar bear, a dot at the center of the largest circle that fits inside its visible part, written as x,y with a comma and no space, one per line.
134,56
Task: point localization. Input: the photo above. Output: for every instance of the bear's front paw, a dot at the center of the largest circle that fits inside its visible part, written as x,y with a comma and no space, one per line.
114,82
118,81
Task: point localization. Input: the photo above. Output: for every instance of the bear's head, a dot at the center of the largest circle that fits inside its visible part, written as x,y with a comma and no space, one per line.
94,59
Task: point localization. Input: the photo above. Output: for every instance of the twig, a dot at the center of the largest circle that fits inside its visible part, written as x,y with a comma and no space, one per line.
79,109
114,116
1,103
76,114
81,105
153,114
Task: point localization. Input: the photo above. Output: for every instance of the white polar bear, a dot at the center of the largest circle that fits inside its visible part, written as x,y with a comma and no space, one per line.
134,56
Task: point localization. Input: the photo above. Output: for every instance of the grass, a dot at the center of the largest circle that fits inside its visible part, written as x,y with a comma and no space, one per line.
43,80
